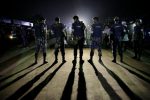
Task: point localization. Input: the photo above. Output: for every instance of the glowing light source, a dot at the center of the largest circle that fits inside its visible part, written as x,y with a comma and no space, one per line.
133,25
11,37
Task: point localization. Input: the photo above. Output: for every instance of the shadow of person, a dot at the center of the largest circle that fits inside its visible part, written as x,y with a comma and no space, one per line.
5,78
66,95
143,72
17,78
35,91
136,72
81,84
111,92
23,89
121,83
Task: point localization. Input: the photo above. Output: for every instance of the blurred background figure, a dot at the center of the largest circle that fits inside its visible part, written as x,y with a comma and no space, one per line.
138,38
24,36
106,37
125,39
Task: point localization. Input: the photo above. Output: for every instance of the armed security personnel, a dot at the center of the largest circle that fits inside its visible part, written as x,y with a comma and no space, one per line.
78,29
116,37
59,32
40,29
138,39
96,37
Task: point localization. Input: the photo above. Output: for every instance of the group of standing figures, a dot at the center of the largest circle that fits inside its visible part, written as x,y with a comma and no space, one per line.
118,31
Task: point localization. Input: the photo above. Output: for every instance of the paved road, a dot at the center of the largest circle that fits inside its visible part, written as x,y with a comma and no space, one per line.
96,81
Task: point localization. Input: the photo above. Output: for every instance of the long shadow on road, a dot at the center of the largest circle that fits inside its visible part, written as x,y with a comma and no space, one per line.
18,78
111,92
145,73
35,91
126,89
69,85
5,78
81,85
28,85
135,73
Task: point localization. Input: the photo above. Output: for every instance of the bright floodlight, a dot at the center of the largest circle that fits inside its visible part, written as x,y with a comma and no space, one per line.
11,37
133,25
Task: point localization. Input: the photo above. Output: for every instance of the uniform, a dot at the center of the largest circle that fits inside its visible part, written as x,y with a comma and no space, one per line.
57,29
117,35
41,40
96,40
78,35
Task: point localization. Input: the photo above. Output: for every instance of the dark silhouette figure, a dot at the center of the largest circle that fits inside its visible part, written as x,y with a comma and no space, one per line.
78,28
40,29
59,32
116,37
138,40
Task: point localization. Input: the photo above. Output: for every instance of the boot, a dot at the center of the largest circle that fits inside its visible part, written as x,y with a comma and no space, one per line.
44,58
114,60
63,59
56,59
91,56
100,60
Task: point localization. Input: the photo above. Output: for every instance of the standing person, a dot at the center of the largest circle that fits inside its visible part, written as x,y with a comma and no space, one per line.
78,29
125,38
106,36
59,32
24,36
40,30
138,39
116,37
96,37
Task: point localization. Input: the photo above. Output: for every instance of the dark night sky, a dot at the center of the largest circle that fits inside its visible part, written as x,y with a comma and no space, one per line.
65,9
